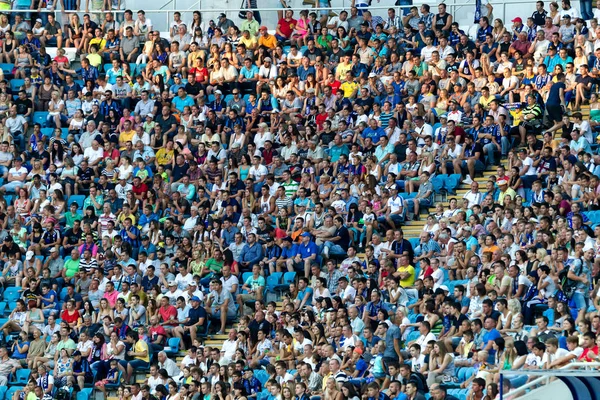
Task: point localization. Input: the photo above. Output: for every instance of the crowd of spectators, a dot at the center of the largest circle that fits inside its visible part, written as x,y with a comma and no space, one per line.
173,187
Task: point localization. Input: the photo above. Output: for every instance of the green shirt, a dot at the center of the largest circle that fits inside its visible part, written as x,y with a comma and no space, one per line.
290,187
72,267
214,265
70,218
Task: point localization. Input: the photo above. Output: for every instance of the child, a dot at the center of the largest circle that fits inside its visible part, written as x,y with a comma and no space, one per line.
418,362
464,349
111,378
61,59
378,368
149,124
338,203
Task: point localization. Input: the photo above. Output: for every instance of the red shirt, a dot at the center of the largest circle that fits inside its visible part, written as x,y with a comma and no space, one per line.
199,73
168,313
69,319
334,86
155,332
585,356
287,27
143,188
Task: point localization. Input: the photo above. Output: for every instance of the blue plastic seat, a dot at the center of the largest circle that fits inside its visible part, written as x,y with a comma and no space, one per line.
261,375
20,377
85,394
16,84
7,68
9,199
40,117
273,281
414,242
12,293
173,345
77,198
452,183
245,277
11,391
48,132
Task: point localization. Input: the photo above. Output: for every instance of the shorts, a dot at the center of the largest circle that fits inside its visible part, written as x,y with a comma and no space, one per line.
247,297
230,314
479,166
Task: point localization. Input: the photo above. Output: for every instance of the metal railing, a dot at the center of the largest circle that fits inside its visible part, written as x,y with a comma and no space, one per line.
576,369
162,16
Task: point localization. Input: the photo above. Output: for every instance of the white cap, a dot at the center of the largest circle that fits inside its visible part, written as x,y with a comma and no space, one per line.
29,255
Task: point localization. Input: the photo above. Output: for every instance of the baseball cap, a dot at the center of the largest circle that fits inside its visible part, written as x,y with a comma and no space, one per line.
444,287
517,19
145,237
222,15
172,283
192,283
566,16
502,182
76,353
268,59
218,92
52,250
305,234
29,255
372,75
39,20
264,28
149,115
195,298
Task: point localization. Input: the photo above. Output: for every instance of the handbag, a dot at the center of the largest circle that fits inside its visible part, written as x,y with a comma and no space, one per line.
242,13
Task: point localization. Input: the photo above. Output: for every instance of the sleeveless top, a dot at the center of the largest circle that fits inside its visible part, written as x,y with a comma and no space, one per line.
265,206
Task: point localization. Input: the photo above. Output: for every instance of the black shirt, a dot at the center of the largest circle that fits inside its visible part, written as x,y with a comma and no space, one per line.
23,106
13,249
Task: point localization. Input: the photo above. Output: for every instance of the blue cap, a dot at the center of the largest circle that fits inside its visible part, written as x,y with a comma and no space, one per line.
195,298
305,234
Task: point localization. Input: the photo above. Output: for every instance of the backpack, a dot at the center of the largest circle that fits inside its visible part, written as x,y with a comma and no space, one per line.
420,380
569,285
63,394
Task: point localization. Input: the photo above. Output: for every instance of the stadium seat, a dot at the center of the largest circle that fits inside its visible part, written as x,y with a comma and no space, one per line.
40,117
452,183
11,391
261,375
16,84
12,293
273,280
7,69
173,346
20,377
85,394
77,198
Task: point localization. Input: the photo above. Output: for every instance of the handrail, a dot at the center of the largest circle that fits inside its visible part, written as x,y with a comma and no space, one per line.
547,374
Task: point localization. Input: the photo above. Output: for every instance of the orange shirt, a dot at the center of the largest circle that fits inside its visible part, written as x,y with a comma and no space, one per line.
268,41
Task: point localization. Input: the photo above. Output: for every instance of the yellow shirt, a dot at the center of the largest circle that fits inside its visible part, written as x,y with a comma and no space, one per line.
268,41
486,102
126,136
122,218
250,42
94,59
164,156
510,192
349,88
411,278
139,347
342,69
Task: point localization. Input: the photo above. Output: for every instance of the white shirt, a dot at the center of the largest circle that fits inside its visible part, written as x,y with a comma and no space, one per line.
395,204
229,347
183,281
93,155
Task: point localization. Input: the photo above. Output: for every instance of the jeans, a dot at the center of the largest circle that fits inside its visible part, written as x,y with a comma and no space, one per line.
585,6
579,301
334,249
505,145
3,170
490,148
13,186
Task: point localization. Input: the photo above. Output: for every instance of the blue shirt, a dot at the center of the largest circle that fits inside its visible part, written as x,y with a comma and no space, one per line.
249,73
180,103
374,134
491,336
308,250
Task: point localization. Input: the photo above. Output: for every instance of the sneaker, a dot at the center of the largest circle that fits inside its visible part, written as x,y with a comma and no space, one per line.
326,252
467,180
